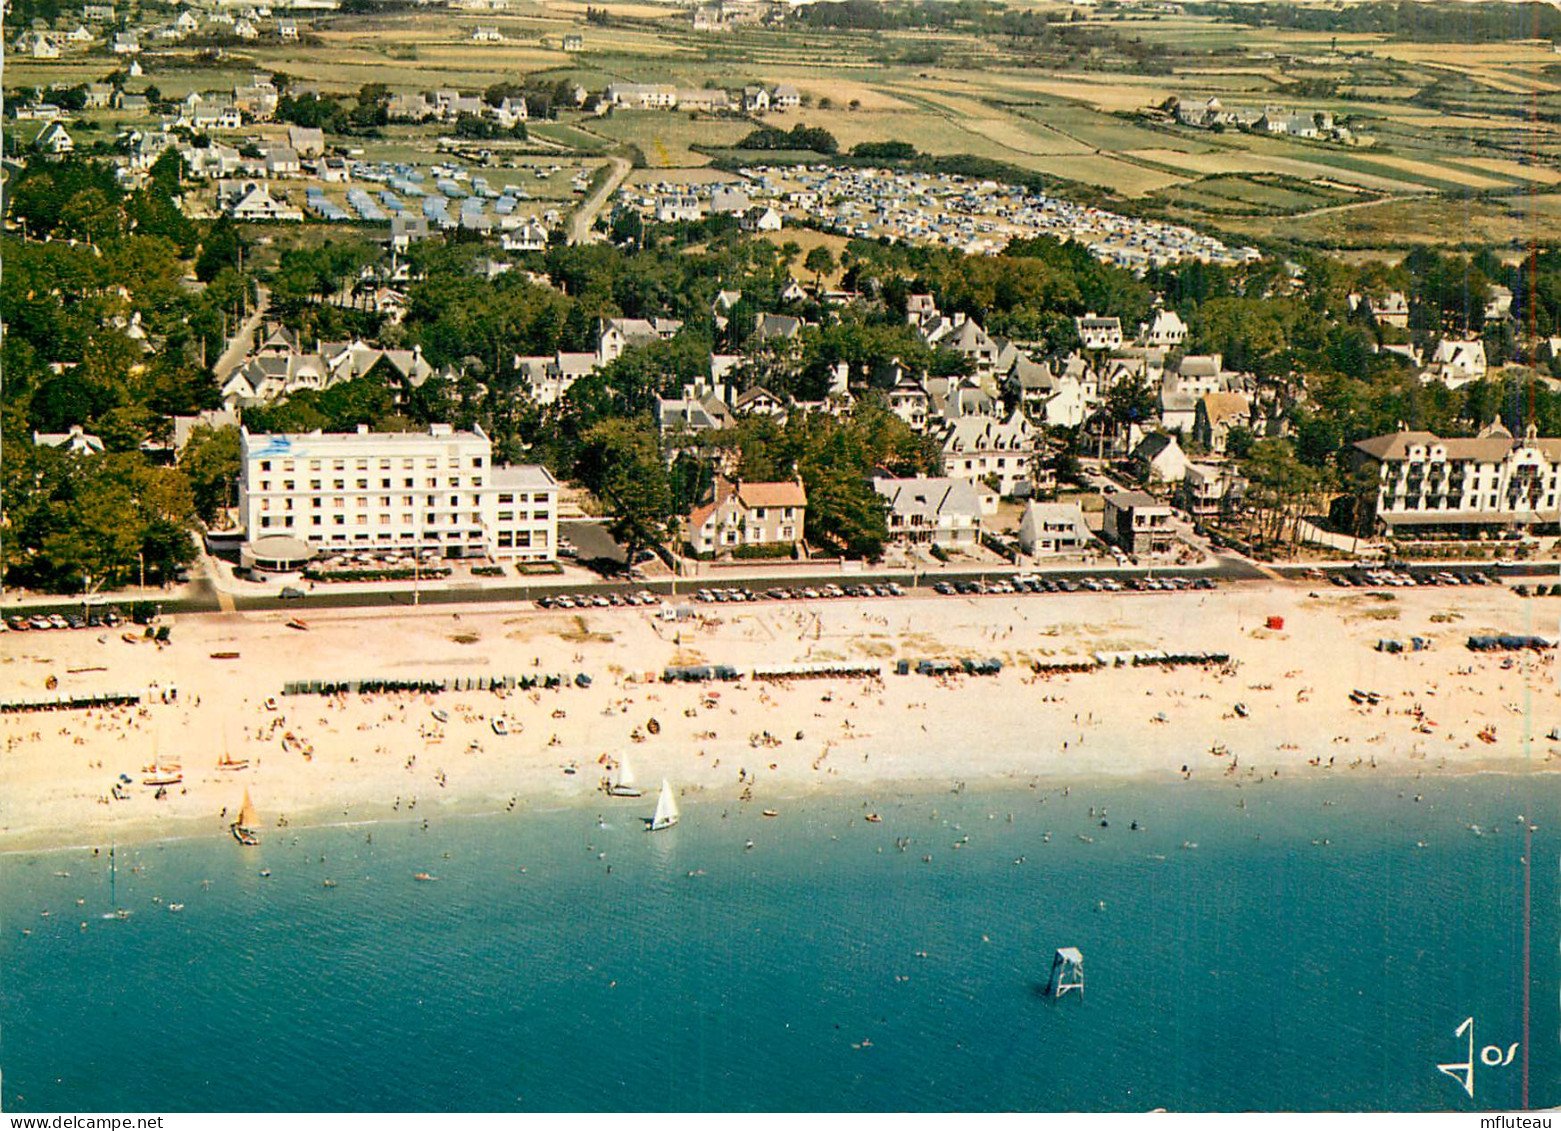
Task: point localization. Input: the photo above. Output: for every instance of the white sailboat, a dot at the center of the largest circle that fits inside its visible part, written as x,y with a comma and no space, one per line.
623,783
666,809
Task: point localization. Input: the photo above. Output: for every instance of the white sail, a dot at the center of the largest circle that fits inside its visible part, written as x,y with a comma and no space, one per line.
666,808
625,775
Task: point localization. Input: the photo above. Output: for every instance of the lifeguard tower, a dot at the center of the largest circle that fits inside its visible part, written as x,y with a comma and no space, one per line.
1067,972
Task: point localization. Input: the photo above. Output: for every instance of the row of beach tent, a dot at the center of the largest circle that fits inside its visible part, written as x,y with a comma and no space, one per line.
67,703
463,683
1508,643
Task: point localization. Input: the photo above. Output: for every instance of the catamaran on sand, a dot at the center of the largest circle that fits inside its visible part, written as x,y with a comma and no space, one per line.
622,783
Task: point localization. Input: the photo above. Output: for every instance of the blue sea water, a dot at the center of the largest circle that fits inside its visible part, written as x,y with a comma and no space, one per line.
1306,955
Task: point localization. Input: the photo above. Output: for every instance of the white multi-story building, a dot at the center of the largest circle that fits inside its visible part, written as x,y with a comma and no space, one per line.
396,491
1490,483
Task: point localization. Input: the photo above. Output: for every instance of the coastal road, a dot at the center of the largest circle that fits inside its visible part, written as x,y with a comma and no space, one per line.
582,218
243,338
202,596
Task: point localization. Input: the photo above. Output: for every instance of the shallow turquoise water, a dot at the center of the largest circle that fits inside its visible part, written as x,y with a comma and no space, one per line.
823,968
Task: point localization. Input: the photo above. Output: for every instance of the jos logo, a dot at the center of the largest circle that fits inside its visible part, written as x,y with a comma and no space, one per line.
1492,1056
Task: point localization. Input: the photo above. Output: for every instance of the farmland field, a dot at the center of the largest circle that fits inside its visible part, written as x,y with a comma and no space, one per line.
1448,141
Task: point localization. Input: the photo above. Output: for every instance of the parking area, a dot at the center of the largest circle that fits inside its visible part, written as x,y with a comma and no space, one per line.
724,595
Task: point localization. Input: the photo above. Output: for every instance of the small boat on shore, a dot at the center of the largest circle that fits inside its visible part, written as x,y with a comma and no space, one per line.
667,813
440,716
299,623
500,727
424,878
228,762
246,830
224,655
623,784
873,819
770,813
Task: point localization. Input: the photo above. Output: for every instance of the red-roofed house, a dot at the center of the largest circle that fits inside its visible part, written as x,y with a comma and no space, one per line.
748,514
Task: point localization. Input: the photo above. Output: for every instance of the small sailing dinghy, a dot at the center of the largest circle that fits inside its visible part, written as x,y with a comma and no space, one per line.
666,809
246,830
624,785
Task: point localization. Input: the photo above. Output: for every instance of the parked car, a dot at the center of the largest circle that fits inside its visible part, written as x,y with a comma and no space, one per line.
290,593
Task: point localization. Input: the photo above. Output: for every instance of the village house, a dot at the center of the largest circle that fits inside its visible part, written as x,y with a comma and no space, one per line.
1158,458
1099,333
74,442
487,34
1047,529
942,512
642,96
1210,490
1137,523
1217,414
679,208
306,141
1165,330
1456,362
785,97
761,219
982,447
1391,310
763,516
54,140
695,411
614,335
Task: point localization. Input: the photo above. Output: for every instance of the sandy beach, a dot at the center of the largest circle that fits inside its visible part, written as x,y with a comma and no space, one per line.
312,759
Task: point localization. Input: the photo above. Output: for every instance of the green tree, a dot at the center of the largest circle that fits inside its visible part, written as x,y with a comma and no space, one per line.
621,461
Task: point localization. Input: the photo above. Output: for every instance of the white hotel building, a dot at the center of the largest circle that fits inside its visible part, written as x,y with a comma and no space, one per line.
356,492
1492,483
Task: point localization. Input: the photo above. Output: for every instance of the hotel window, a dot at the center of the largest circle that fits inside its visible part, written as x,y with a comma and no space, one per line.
315,502
338,520
384,484
314,520
476,461
523,540
455,481
314,484
363,484
384,465
384,520
506,516
539,516
406,483
314,465
408,464
363,465
339,484
287,465
338,465
340,501
265,465
507,498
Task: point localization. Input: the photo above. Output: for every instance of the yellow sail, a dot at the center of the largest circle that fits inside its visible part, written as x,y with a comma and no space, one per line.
247,817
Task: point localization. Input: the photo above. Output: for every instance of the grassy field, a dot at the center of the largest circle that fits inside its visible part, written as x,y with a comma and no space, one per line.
1458,137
